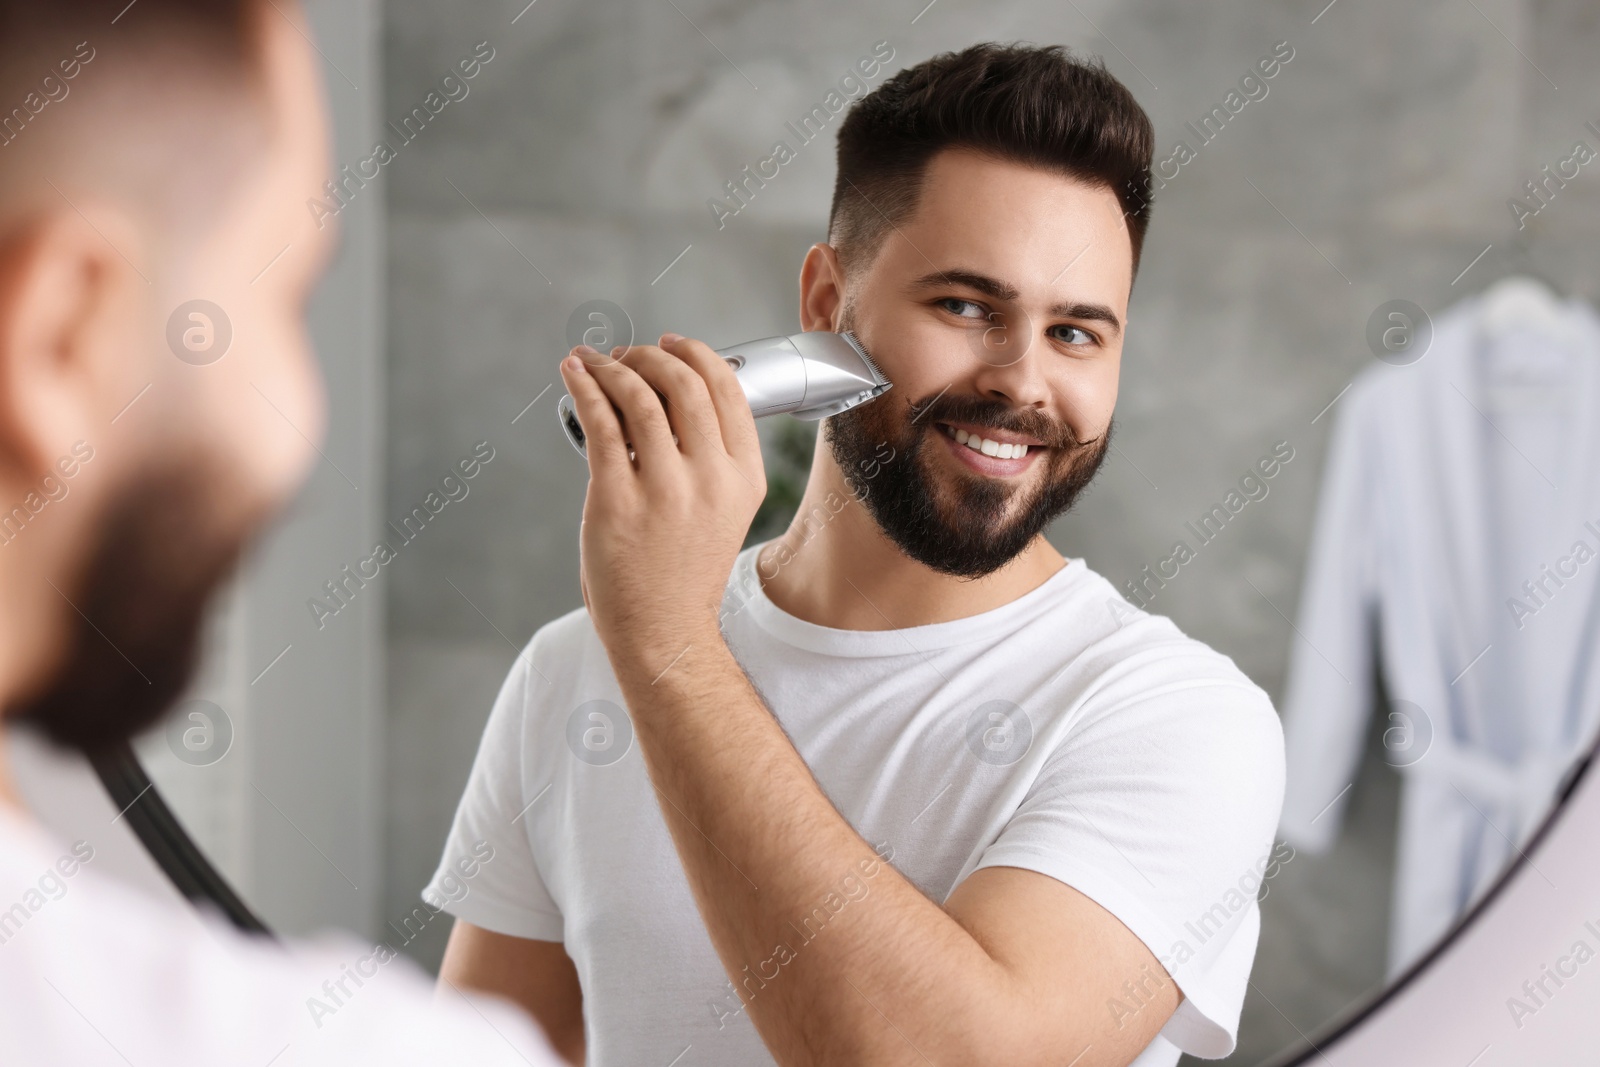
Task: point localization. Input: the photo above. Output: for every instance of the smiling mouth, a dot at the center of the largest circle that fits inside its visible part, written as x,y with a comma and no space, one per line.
986,446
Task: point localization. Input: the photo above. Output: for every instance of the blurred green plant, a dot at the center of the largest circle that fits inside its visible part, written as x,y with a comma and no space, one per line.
788,458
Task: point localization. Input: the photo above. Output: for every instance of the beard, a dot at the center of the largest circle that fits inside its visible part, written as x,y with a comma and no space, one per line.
137,611
958,523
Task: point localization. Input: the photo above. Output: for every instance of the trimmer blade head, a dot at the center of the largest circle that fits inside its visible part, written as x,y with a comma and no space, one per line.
866,357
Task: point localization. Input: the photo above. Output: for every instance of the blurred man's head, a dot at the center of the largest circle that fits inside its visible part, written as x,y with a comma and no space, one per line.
990,209
155,257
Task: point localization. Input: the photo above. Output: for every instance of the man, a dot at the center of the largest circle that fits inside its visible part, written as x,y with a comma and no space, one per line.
149,160
903,785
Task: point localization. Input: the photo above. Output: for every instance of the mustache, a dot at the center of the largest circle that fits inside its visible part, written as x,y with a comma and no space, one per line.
979,411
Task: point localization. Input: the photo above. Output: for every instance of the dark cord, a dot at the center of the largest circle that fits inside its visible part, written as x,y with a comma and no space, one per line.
164,838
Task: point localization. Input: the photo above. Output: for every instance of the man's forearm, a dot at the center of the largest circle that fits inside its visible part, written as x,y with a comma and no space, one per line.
892,976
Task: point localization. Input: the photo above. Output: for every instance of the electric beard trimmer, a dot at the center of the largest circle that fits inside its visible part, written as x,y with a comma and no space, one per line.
807,375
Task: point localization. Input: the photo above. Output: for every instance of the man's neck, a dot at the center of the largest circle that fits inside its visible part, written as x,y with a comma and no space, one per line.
835,567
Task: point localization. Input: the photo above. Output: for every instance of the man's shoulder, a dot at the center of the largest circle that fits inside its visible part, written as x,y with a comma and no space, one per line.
172,985
563,665
1108,618
567,632
562,645
1131,653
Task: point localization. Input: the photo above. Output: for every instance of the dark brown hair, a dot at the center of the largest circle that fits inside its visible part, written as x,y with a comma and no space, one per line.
32,33
1028,104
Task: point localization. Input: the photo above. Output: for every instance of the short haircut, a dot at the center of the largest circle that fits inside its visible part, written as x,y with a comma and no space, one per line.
1019,103
26,23
159,101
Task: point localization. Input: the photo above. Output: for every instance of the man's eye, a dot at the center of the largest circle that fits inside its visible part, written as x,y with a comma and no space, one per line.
955,305
1088,338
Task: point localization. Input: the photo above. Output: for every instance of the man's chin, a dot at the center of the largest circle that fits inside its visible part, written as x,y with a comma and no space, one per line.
137,613
941,512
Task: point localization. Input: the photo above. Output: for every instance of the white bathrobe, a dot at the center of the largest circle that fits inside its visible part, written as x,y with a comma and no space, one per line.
1443,494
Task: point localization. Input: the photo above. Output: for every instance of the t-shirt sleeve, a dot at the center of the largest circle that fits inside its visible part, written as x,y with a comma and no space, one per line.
488,875
1162,810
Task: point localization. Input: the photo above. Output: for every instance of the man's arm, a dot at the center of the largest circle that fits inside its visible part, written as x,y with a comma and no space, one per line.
1016,968
536,975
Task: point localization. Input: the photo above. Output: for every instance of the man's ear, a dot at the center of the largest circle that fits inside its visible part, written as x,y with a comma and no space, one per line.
821,288
68,305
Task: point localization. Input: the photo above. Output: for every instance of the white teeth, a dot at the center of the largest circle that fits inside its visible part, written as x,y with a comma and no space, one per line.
988,447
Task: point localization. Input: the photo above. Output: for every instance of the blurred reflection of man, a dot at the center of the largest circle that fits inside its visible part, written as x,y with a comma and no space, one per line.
149,159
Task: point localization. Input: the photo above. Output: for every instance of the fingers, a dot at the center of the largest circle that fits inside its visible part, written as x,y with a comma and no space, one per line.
644,396
688,405
604,442
645,427
728,400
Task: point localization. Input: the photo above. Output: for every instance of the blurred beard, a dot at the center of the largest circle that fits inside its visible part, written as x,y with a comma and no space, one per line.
962,524
137,611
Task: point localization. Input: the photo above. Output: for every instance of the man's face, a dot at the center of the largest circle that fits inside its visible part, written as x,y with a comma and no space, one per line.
259,408
218,444
998,312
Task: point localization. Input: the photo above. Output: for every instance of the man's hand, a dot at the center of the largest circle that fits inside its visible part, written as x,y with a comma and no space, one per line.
661,528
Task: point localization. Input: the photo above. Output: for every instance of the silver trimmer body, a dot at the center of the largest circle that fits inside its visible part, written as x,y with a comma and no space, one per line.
807,375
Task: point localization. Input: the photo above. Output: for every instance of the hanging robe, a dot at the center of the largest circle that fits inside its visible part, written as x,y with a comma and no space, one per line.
1455,548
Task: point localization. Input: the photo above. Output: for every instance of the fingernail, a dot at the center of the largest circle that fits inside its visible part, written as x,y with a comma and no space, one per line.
586,350
617,351
671,338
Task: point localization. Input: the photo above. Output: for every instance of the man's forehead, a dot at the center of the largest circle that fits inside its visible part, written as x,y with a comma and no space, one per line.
960,171
972,207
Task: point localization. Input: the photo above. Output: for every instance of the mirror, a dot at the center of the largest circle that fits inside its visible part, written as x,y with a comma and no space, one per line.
1353,449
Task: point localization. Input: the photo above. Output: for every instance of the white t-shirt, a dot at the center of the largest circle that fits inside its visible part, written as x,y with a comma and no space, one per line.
93,972
1066,732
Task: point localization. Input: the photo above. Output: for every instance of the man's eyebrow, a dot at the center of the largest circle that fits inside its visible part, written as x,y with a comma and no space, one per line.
999,290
